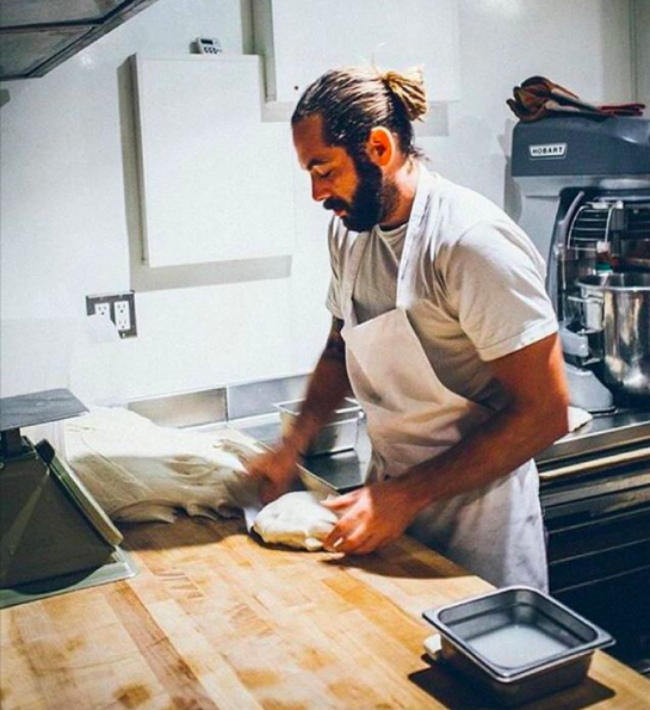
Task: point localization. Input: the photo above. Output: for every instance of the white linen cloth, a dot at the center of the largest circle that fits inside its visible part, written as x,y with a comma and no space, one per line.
139,471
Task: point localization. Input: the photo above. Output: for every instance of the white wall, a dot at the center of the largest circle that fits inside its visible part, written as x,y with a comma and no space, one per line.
69,226
584,45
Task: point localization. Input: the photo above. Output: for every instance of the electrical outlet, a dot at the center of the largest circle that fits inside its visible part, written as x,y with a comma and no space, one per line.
119,307
103,309
122,315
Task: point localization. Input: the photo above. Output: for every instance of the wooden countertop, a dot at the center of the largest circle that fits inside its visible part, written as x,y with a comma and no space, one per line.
215,620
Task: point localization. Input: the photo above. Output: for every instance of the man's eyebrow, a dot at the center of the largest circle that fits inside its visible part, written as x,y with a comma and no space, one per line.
315,162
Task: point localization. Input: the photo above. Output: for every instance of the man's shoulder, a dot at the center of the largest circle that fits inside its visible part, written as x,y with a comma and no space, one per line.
459,210
472,227
463,203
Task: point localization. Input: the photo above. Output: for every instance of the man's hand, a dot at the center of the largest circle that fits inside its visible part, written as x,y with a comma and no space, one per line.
275,471
327,387
370,518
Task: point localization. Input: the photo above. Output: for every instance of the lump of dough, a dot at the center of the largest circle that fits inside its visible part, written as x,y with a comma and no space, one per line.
296,519
139,471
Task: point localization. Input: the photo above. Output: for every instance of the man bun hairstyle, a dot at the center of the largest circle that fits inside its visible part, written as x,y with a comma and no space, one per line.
409,89
354,100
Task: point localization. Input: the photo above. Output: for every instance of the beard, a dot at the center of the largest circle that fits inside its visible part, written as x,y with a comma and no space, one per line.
373,199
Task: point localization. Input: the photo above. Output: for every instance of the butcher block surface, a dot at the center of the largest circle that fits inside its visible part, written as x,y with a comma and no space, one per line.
216,620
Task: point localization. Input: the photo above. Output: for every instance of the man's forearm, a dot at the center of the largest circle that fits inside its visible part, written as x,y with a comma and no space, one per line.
533,384
506,441
328,385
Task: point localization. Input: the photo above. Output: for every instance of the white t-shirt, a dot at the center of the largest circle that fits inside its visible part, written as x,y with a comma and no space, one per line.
485,295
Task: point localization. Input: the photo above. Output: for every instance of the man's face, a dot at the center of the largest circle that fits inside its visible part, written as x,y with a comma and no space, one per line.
352,187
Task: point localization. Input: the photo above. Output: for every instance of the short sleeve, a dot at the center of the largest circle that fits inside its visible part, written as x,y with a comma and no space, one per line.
495,283
333,301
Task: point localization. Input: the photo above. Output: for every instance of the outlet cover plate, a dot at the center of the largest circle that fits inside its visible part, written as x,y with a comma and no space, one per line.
109,300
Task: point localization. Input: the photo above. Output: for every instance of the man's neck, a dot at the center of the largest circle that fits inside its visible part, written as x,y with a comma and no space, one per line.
406,181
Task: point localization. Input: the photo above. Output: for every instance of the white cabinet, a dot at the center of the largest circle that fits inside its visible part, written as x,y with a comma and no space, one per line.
301,39
216,182
641,23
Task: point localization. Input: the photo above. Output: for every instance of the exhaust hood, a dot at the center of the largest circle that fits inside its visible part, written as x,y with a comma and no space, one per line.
38,35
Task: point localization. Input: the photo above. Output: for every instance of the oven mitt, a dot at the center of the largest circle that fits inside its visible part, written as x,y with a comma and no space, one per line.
539,97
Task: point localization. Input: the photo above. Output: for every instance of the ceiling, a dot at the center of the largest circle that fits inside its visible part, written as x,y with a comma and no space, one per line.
37,35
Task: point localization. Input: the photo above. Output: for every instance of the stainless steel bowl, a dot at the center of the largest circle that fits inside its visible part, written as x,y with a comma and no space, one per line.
516,643
619,305
339,434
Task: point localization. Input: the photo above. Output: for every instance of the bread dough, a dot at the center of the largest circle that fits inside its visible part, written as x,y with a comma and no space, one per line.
296,519
139,471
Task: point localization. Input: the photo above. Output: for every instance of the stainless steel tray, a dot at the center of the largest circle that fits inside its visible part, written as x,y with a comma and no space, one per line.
339,434
517,643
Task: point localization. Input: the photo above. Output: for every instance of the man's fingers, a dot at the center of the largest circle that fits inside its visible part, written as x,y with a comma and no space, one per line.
359,544
335,503
345,533
336,538
270,491
254,467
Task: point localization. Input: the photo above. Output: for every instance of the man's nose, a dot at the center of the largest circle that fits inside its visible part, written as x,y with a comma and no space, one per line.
319,192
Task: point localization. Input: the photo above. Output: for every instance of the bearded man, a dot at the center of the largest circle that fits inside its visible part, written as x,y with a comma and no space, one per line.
443,331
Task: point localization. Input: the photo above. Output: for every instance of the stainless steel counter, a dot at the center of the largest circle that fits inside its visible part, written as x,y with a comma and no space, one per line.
251,407
621,431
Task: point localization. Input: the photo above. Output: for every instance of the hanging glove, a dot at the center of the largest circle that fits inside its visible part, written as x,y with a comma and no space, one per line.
538,97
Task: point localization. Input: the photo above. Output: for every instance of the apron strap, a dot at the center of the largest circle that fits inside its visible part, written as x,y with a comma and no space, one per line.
414,232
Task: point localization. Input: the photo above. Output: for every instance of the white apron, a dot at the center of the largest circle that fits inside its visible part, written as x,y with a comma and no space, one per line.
495,531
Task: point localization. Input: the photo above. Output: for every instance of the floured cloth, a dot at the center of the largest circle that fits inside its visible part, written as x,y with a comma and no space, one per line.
138,471
297,520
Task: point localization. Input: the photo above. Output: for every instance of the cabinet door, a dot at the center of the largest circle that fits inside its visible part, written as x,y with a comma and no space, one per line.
641,22
216,182
301,39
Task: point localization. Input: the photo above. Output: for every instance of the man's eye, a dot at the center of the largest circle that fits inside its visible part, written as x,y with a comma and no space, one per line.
326,174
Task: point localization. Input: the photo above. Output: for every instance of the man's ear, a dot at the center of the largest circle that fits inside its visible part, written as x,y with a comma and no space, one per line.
380,146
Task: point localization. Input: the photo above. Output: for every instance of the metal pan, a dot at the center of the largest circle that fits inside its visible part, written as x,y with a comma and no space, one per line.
341,433
517,643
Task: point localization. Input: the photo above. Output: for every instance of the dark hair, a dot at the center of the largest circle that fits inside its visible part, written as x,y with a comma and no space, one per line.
354,100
